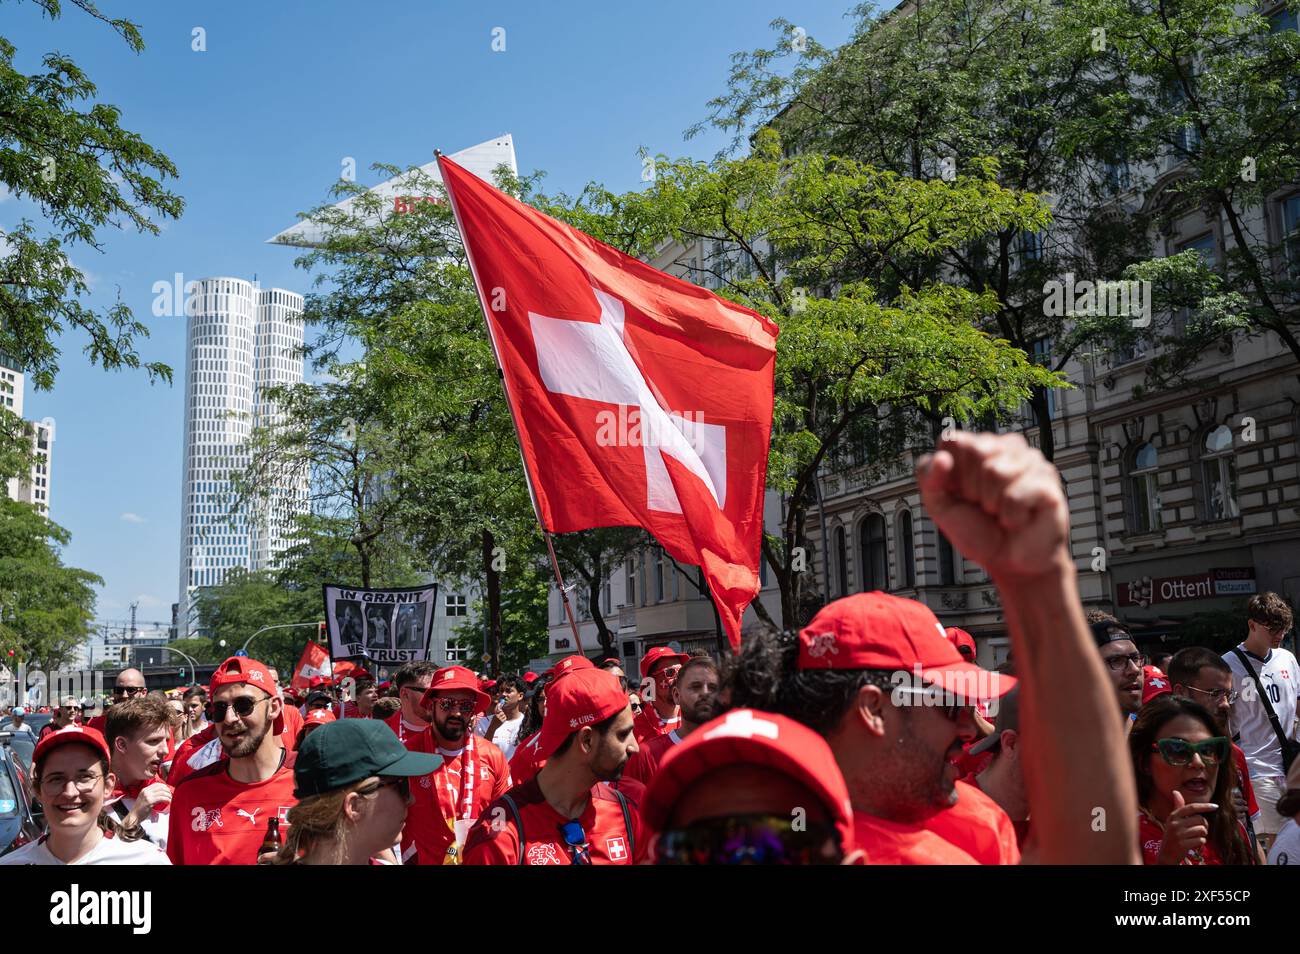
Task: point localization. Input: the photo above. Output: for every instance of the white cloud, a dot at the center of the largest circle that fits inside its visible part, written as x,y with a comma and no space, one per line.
129,517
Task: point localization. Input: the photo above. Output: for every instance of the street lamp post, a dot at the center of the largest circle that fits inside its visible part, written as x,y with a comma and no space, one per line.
244,648
194,666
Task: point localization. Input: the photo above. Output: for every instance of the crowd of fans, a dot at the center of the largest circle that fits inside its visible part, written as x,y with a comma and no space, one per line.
871,736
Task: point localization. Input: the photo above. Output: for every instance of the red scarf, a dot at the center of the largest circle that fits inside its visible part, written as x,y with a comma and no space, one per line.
132,791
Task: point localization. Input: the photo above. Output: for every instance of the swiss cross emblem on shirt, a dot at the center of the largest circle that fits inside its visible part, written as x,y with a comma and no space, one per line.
616,849
283,814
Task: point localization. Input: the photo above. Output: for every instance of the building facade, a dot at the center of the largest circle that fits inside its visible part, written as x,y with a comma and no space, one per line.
34,489
241,340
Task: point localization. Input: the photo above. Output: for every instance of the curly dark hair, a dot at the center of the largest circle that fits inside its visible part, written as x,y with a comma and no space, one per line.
765,675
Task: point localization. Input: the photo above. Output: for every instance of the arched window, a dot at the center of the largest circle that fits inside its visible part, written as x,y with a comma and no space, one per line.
1219,475
1144,491
906,553
841,563
875,568
947,561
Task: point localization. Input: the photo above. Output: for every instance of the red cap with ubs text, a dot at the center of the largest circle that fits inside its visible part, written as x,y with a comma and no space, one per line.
585,697
880,631
251,672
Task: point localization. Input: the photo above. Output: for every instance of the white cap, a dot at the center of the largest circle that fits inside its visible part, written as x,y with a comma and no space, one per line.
19,711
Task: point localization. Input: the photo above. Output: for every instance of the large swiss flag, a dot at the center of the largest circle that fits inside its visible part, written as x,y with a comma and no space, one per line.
640,399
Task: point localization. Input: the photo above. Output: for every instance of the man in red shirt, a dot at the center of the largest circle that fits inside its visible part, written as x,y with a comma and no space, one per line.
750,788
412,681
567,814
876,676
220,813
695,693
137,733
527,760
447,802
659,669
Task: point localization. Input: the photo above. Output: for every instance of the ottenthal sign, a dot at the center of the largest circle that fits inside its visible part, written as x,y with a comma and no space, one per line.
384,626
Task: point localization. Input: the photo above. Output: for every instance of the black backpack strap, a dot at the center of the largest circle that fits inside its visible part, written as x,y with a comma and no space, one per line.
1268,705
627,823
519,824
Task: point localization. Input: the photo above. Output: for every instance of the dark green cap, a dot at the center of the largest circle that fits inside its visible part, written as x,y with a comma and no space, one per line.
345,752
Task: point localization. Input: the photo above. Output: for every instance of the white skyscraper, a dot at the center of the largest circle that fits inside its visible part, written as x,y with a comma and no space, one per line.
35,489
241,340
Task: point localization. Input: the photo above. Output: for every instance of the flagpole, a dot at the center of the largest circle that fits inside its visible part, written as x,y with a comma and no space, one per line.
564,593
505,385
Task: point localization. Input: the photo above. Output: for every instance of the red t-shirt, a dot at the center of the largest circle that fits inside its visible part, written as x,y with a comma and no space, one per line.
1151,836
975,831
216,820
524,764
647,723
436,796
642,766
402,730
494,840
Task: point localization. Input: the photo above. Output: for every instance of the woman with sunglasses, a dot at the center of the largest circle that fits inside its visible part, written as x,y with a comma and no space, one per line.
351,780
1185,777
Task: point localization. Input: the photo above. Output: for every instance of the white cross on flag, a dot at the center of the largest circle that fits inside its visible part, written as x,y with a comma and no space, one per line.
640,399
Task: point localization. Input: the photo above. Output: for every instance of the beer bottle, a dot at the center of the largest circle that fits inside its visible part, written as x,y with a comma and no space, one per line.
272,841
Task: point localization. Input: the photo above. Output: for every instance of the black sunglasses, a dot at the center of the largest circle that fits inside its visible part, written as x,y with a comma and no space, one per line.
243,706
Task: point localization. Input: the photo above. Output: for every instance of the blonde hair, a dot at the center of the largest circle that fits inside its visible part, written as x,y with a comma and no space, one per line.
320,818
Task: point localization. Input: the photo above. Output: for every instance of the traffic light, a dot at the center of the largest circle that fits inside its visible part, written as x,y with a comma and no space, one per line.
181,672
320,631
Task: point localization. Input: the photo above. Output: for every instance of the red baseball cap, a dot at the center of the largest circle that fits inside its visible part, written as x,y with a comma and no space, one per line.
318,717
70,735
585,697
250,672
961,639
879,631
758,738
530,678
1154,683
570,664
657,655
455,677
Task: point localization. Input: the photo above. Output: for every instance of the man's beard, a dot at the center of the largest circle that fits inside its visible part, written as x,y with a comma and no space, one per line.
249,744
453,733
701,712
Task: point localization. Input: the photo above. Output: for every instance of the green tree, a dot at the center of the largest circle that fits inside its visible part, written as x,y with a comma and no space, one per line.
1211,112
46,608
84,172
399,286
930,91
246,602
864,355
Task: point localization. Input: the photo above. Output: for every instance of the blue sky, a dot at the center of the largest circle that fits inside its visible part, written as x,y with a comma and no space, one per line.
258,126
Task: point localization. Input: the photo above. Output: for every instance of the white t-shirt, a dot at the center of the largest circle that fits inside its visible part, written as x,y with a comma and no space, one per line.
155,824
109,851
1280,677
1286,847
506,737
